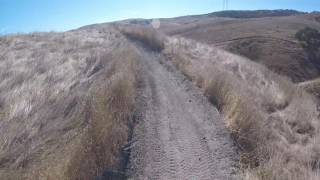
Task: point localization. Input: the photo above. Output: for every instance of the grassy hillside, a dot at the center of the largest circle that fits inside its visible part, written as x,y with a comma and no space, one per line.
68,100
255,14
267,40
66,103
274,123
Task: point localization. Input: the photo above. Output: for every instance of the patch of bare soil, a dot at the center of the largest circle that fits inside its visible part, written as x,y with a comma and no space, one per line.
180,134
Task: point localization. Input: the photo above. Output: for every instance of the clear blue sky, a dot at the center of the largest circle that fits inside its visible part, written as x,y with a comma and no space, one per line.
61,15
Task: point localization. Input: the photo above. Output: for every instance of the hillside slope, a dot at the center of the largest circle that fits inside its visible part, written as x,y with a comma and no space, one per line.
115,101
66,103
267,40
274,123
70,103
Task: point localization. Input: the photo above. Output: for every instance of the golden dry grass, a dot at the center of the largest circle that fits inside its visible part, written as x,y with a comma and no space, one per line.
274,123
312,87
147,35
108,111
84,113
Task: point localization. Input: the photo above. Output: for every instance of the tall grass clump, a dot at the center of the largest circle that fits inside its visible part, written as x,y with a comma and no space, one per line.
110,110
274,123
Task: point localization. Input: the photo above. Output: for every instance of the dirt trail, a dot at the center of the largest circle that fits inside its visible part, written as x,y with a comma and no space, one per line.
180,134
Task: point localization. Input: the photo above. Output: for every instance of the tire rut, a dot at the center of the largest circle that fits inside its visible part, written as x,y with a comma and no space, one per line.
180,134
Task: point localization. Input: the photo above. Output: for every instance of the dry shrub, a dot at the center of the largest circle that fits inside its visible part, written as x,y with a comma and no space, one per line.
275,124
147,35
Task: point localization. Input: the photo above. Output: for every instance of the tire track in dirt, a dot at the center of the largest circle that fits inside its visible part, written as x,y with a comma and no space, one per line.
180,134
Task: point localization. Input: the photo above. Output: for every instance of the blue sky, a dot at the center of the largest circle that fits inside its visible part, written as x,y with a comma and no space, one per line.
60,15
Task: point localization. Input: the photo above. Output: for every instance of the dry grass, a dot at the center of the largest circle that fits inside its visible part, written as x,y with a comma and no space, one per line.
66,103
111,111
274,123
312,87
147,35
268,41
